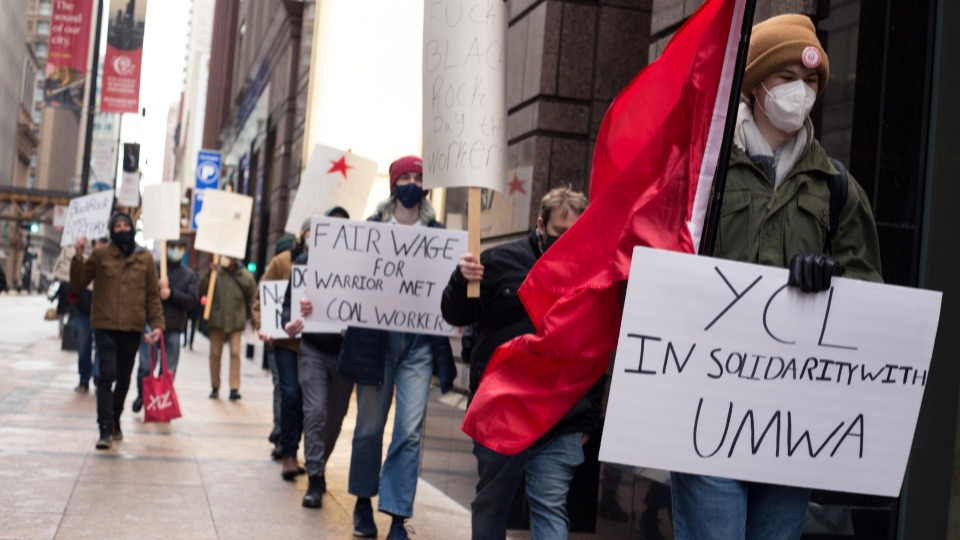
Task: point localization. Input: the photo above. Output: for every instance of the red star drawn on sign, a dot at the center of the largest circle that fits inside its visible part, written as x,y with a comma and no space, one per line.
516,185
340,166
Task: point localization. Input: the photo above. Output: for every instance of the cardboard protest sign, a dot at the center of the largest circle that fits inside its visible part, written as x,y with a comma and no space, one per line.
464,94
87,216
313,324
377,275
223,224
161,211
271,307
59,217
332,178
723,370
61,268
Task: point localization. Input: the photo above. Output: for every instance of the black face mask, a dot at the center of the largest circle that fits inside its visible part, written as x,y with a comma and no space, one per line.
546,240
124,241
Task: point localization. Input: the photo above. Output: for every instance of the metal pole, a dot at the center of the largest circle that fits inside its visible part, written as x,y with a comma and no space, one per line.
709,239
91,104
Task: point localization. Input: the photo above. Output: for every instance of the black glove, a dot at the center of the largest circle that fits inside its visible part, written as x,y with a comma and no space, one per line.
812,271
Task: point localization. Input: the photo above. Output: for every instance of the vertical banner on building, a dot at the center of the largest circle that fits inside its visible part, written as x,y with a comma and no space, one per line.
208,177
105,133
130,180
67,55
121,66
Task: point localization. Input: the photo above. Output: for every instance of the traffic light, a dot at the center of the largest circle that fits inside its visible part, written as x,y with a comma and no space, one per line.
252,267
34,227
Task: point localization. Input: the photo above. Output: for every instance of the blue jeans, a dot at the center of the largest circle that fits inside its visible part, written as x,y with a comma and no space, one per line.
408,366
275,377
81,325
171,341
291,402
549,466
711,508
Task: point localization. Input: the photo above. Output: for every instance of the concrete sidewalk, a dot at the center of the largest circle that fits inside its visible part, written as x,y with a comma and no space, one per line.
207,475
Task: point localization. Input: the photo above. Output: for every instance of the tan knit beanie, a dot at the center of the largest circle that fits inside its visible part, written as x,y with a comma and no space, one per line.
781,41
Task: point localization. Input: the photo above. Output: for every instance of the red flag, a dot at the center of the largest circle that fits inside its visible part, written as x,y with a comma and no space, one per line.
654,161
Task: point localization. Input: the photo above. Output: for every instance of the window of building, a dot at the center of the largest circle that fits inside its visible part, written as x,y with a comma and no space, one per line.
43,28
41,50
45,7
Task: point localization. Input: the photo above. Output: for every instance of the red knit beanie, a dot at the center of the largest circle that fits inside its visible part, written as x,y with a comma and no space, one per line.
402,166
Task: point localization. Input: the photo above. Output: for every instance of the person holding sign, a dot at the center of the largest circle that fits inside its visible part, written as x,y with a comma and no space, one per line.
178,295
776,202
125,294
325,394
499,316
379,361
284,352
232,300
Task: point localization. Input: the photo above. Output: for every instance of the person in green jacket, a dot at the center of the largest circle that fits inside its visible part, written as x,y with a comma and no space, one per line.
776,207
233,297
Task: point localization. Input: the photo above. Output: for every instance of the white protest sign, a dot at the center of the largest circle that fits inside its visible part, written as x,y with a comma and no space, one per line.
129,189
161,211
464,94
271,307
723,370
223,223
377,275
313,324
59,217
87,216
332,178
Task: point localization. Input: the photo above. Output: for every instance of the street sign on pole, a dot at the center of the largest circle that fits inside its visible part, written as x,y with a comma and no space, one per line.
208,177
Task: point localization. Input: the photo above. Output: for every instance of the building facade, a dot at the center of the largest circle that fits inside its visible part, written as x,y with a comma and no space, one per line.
259,68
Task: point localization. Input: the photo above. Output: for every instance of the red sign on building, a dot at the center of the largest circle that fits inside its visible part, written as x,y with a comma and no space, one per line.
67,54
121,66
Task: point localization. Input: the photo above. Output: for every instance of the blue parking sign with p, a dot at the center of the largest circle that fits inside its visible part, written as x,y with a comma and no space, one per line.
208,177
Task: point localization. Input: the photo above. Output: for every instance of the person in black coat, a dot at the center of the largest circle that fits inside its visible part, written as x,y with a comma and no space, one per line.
498,316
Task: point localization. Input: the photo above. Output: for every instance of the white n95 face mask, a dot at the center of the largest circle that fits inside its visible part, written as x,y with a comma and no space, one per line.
788,105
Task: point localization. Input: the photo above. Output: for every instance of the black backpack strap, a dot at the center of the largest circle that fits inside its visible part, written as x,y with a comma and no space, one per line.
838,199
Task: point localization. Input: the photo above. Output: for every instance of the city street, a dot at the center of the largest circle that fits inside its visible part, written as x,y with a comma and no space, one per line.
207,475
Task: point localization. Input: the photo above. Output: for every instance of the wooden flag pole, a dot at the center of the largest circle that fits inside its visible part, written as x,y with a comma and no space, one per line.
163,259
473,235
213,283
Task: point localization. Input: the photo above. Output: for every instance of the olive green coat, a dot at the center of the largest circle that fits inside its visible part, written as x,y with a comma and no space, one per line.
759,224
233,297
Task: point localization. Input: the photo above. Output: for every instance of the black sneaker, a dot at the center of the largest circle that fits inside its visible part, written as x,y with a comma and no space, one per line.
234,395
82,388
313,498
363,524
399,531
103,443
137,404
215,393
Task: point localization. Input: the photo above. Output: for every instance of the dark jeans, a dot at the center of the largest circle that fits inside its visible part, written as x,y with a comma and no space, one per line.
118,353
81,325
326,398
291,402
190,328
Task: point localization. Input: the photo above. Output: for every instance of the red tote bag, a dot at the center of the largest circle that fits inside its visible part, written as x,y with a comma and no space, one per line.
159,398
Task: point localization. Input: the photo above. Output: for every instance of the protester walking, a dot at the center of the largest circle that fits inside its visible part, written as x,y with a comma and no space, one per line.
124,296
325,394
783,177
380,362
178,295
284,358
232,300
499,316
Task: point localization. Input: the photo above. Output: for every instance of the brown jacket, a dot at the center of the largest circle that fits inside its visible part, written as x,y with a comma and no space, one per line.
280,268
125,291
